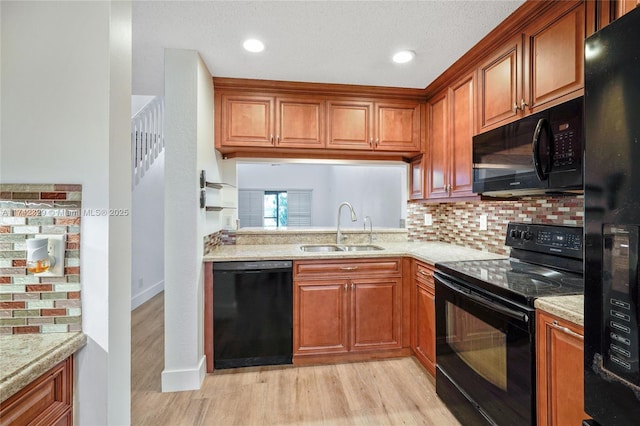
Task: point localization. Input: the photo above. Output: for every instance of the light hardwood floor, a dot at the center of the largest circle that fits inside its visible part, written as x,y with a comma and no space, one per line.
389,392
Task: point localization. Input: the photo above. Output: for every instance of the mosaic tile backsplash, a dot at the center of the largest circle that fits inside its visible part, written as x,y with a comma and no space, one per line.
28,303
458,223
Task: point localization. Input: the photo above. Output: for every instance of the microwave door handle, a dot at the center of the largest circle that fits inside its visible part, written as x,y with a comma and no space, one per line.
485,302
542,128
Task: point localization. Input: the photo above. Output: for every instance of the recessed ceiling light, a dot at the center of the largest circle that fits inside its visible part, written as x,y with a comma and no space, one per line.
253,45
404,56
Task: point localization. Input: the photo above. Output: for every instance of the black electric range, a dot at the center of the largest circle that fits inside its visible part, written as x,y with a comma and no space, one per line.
545,260
485,322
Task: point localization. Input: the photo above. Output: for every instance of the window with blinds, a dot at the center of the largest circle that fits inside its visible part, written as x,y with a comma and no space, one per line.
251,208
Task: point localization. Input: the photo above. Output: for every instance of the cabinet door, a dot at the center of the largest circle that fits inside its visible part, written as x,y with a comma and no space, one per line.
461,99
438,152
375,313
425,326
500,86
300,123
320,317
247,121
626,6
349,125
555,56
416,177
560,372
397,127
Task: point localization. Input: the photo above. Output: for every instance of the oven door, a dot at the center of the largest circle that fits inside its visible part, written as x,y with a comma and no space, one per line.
485,355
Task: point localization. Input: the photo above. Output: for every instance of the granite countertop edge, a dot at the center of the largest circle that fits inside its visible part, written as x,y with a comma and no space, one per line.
569,308
429,252
33,363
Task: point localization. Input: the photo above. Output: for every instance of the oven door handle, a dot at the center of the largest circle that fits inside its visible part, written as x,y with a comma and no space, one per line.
521,316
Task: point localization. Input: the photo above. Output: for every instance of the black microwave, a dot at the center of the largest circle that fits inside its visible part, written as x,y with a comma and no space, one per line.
540,153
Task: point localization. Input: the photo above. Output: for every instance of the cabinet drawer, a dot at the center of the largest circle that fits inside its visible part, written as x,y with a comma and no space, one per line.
323,268
47,400
424,274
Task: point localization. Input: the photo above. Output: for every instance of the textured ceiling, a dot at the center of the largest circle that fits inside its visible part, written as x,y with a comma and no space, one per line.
348,42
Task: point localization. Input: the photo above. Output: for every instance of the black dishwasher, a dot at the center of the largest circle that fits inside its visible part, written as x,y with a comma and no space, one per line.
252,313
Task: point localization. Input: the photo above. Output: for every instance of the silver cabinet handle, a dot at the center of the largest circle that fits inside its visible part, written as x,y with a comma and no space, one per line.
353,286
377,141
565,330
371,142
278,140
523,104
425,273
345,287
349,268
271,138
515,107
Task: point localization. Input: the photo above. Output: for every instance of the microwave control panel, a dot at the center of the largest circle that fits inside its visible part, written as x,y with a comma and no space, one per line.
567,143
621,345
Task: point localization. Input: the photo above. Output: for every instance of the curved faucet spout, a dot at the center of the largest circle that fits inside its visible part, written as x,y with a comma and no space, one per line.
353,219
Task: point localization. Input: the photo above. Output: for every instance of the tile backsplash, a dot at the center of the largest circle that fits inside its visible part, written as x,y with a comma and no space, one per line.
458,223
29,303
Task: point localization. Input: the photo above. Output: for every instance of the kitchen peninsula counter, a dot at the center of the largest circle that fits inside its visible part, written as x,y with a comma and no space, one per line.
25,357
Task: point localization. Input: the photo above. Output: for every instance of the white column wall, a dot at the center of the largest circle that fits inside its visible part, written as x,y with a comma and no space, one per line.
188,149
66,87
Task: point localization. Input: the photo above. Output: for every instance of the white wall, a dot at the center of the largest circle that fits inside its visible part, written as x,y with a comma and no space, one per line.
66,87
378,191
147,239
188,149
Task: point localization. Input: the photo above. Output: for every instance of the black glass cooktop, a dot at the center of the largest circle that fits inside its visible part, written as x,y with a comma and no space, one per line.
514,279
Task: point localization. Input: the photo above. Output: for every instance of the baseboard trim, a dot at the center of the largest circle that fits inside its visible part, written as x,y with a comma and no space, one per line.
146,294
184,380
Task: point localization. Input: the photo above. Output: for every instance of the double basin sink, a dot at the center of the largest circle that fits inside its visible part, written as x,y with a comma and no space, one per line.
327,248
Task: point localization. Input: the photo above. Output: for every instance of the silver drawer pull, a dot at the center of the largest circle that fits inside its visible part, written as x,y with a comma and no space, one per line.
557,326
349,268
425,273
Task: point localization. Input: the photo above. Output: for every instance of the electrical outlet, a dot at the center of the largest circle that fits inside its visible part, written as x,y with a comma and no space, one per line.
428,219
483,222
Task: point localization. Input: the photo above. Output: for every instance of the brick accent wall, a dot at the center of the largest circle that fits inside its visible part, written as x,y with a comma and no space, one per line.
28,303
458,223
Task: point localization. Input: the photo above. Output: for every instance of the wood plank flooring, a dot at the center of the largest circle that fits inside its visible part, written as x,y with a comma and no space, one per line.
389,392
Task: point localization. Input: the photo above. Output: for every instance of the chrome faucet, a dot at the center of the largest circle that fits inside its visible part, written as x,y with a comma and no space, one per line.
370,228
353,219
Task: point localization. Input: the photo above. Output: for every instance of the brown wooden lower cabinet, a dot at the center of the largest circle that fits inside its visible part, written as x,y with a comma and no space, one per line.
48,400
423,318
560,376
347,307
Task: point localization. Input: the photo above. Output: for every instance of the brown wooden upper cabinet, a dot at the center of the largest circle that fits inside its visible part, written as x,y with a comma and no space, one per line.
626,6
267,121
381,126
417,178
450,132
542,66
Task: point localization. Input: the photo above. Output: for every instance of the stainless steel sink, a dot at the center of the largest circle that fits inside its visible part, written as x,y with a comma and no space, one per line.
365,247
320,248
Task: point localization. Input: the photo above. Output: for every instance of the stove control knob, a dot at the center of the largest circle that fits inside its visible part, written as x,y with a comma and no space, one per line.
513,233
518,233
527,235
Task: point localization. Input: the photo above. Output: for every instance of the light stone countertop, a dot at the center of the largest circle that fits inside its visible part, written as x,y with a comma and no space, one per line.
429,252
570,308
25,357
